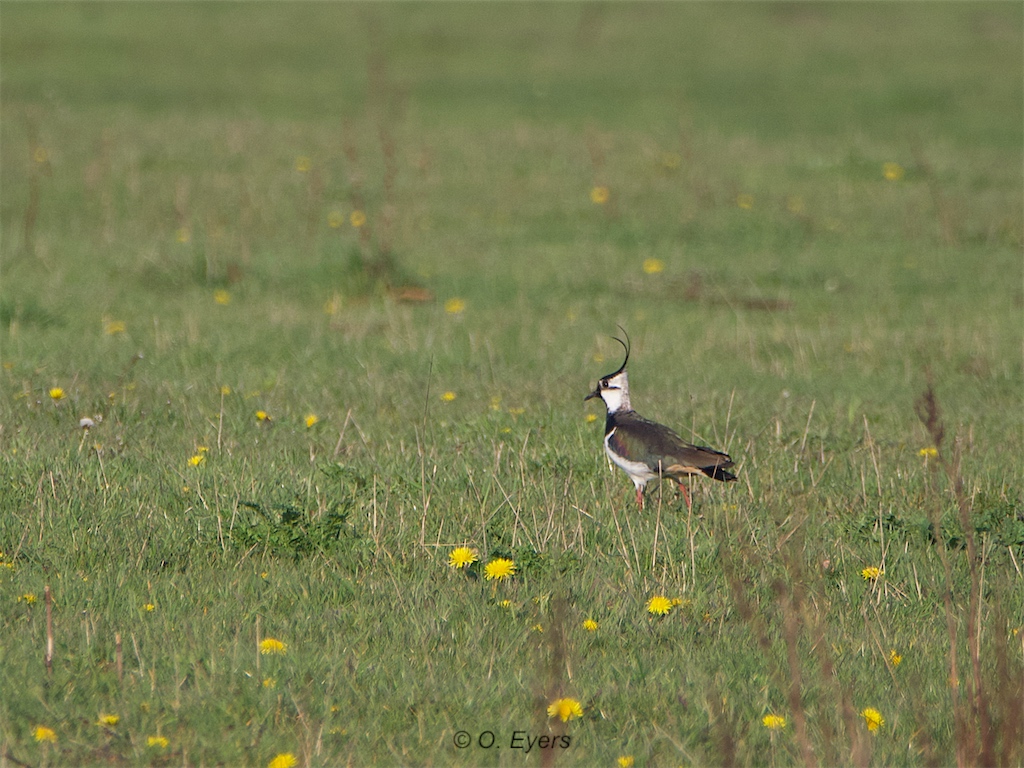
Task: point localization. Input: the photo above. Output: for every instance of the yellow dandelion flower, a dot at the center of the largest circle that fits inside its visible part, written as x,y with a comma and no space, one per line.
225,390
671,160
303,164
892,171
335,219
269,682
202,449
183,235
872,718
149,607
653,266
566,709
504,603
590,418
599,195
262,416
455,306
795,204
500,569
40,155
283,760
357,219
448,396
871,573
894,658
110,720
42,733
311,419
590,625
56,394
272,646
160,742
745,201
517,411
28,598
333,305
195,461
928,453
113,327
460,557
222,297
538,628
659,605
496,403
773,722
625,761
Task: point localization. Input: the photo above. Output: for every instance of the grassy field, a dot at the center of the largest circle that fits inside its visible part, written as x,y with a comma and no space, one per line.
331,281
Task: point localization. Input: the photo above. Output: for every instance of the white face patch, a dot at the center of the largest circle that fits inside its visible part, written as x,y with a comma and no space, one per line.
615,392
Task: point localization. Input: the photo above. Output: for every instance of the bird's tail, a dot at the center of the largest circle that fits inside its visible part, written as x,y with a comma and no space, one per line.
718,473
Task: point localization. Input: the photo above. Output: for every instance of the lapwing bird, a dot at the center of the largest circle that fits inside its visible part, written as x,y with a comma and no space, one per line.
646,450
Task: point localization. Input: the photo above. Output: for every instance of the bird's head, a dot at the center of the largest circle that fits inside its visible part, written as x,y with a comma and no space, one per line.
614,388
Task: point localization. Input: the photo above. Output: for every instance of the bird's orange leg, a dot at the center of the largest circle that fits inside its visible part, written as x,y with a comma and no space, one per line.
686,496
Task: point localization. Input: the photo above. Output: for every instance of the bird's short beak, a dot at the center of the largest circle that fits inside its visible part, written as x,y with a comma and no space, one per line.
595,393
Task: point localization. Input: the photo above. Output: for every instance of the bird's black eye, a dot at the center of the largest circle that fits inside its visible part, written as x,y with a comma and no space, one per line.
604,383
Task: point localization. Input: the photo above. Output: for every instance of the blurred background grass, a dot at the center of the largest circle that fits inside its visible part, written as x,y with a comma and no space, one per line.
808,206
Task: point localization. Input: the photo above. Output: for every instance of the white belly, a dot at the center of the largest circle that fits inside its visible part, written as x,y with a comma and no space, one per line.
638,472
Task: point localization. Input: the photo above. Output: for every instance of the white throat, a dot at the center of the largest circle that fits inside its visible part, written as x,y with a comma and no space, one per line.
616,394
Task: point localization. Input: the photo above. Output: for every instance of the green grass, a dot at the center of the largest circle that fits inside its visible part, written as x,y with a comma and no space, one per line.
151,157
